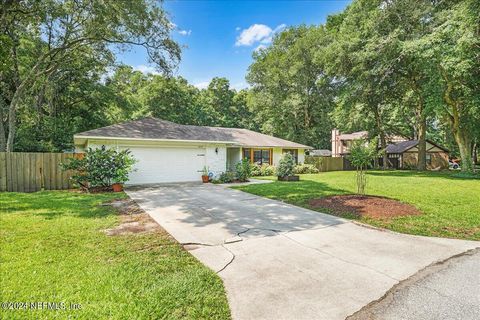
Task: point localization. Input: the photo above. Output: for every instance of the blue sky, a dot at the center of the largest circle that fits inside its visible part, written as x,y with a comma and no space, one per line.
220,36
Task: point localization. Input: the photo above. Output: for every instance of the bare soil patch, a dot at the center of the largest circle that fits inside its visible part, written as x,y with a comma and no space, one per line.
364,206
133,219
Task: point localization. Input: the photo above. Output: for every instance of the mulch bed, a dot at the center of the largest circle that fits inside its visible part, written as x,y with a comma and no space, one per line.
364,206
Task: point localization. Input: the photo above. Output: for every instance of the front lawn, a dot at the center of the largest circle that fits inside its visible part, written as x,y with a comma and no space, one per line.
53,249
450,206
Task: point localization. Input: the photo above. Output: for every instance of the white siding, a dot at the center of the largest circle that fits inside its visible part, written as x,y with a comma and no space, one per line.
301,155
277,155
216,160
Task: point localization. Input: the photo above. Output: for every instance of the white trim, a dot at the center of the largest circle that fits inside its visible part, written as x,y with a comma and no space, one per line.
151,139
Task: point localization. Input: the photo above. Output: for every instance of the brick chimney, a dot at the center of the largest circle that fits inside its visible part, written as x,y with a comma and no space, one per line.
335,143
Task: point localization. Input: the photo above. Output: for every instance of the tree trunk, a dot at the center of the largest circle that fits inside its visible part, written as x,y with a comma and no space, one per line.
422,143
460,133
383,139
3,141
465,147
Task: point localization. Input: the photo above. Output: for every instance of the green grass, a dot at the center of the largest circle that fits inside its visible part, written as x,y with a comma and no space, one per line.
53,250
450,205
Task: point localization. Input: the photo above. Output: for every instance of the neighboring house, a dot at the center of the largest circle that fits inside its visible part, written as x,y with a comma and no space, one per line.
170,152
404,155
341,143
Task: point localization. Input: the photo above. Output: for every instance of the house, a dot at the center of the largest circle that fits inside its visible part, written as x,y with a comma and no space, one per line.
341,143
171,152
404,155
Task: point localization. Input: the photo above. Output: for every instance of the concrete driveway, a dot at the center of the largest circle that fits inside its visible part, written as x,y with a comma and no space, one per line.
279,261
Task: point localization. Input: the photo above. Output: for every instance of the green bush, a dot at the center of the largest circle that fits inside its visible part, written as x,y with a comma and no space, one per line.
226,177
267,170
286,165
262,170
305,168
100,168
243,170
255,170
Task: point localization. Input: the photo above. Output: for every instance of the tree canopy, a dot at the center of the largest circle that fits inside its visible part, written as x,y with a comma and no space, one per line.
402,67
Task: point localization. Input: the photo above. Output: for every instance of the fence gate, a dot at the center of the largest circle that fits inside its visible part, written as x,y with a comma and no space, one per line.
30,172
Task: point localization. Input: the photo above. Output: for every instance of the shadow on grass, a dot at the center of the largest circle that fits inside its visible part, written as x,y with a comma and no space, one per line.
420,174
53,204
294,192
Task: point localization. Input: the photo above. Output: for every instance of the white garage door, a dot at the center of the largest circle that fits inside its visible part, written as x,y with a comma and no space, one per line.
157,165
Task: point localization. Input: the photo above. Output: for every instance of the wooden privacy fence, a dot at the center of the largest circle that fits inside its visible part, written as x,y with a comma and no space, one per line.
30,172
325,163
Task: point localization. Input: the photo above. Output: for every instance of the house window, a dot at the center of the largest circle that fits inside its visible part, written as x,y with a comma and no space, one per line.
429,158
247,154
293,152
261,156
258,156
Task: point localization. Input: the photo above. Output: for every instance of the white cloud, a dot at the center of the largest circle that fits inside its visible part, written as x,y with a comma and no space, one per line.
239,86
145,69
260,47
185,32
258,33
238,29
254,33
202,85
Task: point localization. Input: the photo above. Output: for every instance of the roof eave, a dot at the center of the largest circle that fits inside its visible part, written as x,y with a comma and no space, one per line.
78,137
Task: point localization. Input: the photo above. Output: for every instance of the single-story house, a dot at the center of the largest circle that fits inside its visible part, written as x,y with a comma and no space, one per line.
171,152
404,155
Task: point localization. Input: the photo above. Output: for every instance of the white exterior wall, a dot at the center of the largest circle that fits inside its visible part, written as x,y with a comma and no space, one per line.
277,155
216,161
234,155
301,155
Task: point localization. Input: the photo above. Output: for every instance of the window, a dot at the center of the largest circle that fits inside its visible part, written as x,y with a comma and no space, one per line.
429,158
247,155
259,156
293,152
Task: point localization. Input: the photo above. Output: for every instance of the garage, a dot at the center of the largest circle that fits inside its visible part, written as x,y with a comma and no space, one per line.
167,164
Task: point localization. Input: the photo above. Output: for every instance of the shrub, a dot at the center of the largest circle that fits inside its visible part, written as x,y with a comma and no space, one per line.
242,170
100,168
255,170
267,170
226,177
286,165
305,168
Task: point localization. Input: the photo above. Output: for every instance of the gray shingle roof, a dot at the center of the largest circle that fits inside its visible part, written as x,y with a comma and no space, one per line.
401,147
153,128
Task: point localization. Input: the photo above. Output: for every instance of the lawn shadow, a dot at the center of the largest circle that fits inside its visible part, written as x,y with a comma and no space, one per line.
213,214
419,174
54,204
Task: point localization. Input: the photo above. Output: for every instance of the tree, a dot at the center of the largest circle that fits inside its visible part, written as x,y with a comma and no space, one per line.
44,37
291,93
362,154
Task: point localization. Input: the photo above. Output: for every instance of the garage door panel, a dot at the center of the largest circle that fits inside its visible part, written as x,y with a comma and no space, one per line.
157,165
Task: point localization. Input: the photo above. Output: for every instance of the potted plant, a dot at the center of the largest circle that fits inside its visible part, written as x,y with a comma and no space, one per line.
205,176
285,168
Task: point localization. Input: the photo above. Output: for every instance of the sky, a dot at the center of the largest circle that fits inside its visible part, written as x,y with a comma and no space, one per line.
219,37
